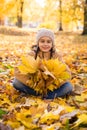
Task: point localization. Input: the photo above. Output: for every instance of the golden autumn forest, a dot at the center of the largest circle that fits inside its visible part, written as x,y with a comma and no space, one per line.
19,22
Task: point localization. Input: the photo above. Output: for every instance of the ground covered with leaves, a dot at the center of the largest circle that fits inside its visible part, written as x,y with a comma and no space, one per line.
23,112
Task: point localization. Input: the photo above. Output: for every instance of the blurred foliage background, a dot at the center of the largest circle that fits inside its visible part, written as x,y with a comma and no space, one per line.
59,15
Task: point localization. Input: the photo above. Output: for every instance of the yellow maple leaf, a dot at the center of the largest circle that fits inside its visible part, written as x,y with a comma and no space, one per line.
26,119
49,118
82,97
51,87
82,119
54,126
69,108
57,68
13,124
29,65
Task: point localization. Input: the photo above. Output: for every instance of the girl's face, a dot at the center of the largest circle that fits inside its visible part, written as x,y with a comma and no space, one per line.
45,44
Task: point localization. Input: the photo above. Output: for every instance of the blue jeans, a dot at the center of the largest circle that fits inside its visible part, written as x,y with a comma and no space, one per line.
65,89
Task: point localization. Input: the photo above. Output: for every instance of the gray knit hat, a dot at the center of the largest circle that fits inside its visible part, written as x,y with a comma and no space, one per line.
45,32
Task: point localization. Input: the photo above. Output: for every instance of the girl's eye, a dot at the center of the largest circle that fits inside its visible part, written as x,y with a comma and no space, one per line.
42,41
48,41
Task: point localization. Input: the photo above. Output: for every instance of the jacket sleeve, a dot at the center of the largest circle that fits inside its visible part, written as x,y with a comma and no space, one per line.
31,53
21,77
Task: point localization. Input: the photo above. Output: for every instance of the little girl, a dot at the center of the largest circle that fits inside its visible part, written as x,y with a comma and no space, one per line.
44,49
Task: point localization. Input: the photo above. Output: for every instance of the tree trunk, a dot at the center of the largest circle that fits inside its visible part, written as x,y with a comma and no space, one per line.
85,19
19,14
1,21
19,21
60,24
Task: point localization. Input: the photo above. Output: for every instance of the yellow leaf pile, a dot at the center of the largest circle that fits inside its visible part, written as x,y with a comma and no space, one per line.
44,75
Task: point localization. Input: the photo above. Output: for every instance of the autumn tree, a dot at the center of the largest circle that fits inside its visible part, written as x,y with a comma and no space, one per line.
85,18
60,6
20,4
49,11
72,13
52,13
5,8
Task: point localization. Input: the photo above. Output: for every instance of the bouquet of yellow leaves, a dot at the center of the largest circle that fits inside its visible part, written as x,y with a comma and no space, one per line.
43,75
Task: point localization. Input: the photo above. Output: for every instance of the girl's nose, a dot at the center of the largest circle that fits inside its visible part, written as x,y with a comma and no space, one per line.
45,42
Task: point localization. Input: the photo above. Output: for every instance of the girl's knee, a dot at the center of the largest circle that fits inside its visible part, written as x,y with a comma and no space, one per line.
68,86
17,84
